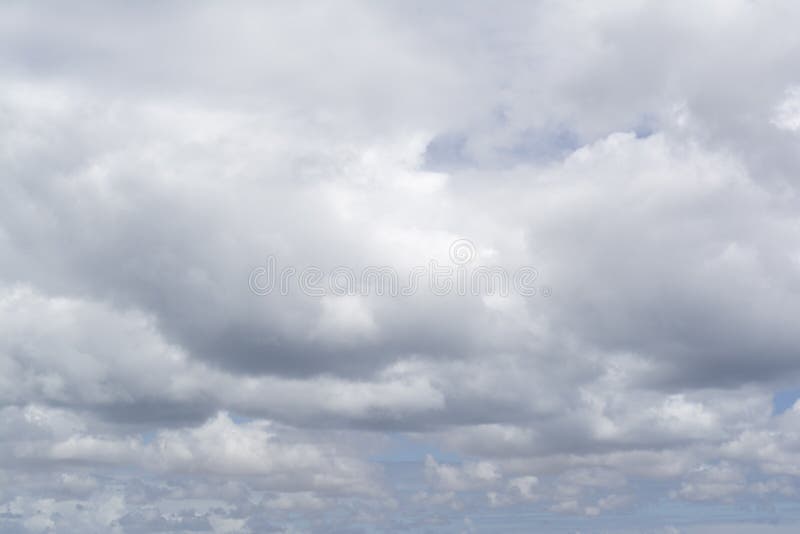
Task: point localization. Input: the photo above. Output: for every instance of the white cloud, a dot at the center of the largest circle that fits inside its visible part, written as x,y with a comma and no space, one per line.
470,475
787,114
637,154
712,482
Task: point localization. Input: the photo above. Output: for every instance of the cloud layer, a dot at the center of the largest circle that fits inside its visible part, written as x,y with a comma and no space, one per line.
641,156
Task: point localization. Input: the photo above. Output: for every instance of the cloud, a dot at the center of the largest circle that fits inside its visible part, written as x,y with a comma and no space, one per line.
459,478
639,155
787,112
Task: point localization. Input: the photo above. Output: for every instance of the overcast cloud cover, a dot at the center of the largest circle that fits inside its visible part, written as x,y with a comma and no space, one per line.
642,156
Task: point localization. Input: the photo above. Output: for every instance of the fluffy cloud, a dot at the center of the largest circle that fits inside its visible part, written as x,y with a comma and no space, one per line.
641,156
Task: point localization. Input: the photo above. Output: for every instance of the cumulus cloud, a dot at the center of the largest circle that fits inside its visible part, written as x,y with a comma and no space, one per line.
639,157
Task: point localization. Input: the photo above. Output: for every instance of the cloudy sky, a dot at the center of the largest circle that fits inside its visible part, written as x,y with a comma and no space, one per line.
640,161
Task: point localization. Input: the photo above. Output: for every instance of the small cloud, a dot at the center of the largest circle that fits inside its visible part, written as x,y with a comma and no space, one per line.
786,115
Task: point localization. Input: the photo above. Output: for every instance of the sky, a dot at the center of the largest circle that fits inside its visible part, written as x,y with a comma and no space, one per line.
199,202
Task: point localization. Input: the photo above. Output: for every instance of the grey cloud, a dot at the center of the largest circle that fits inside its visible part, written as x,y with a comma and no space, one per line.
642,157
